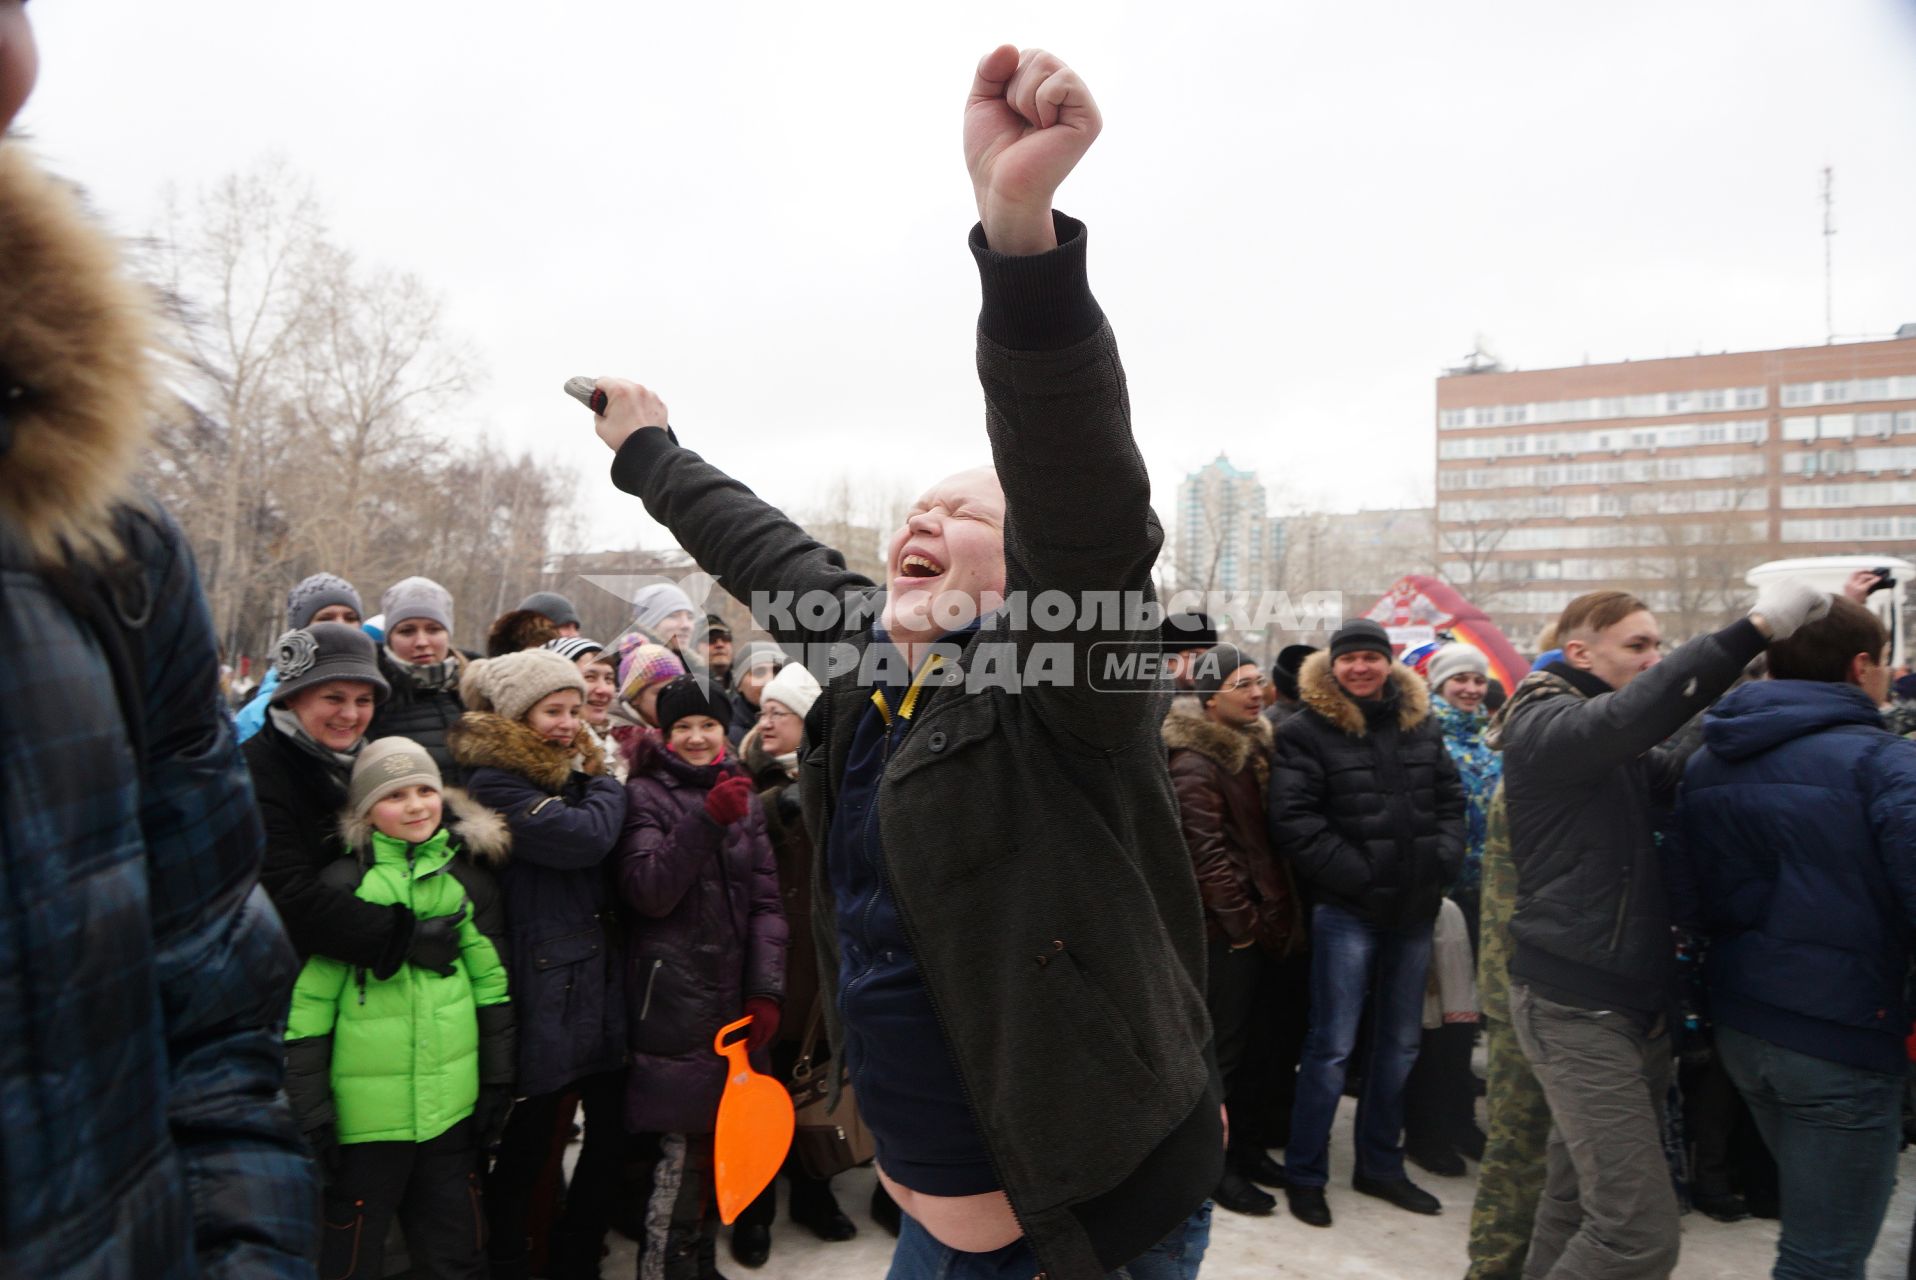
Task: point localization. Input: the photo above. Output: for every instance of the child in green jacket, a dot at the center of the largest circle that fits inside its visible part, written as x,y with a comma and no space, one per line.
399,1083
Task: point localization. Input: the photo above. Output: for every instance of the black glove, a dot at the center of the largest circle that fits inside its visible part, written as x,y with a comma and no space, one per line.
323,1143
435,944
491,1112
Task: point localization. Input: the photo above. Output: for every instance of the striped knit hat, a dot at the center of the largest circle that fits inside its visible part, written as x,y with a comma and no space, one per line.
572,648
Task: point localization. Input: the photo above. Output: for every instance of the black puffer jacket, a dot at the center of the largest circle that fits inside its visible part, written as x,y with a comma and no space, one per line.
299,803
1366,802
1583,772
424,715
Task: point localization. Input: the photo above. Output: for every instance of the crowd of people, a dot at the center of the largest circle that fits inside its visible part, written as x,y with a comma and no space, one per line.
1636,859
524,886
1082,949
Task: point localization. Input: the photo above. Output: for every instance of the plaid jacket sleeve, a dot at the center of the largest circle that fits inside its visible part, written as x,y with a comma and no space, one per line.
224,968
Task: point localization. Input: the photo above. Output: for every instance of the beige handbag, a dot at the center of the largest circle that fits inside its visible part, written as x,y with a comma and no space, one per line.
825,1145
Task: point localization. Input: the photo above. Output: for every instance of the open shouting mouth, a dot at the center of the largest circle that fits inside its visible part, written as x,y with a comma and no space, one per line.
917,567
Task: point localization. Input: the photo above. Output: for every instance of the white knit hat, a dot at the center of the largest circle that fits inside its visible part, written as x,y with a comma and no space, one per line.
514,684
1454,660
792,687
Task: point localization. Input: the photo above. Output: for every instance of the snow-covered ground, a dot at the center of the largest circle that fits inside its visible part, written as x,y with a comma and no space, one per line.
1370,1239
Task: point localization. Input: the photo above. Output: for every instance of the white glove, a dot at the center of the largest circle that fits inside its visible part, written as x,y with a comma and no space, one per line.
1785,606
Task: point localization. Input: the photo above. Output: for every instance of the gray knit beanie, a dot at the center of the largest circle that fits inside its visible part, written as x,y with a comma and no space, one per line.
316,593
756,652
654,604
514,684
416,598
551,605
383,767
1454,660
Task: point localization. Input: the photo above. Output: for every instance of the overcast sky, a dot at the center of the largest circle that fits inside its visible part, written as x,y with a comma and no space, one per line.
1300,213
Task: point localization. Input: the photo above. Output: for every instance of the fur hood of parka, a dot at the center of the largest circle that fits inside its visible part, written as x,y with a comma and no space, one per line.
1230,749
1318,689
486,739
76,338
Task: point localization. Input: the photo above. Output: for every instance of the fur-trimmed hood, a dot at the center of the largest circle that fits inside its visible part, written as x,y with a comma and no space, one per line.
1228,748
75,334
485,739
481,832
759,763
1318,690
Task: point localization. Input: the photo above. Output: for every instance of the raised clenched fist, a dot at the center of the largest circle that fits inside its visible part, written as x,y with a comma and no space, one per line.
1028,122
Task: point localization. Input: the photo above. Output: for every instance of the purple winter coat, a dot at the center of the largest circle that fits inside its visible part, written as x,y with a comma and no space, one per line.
705,931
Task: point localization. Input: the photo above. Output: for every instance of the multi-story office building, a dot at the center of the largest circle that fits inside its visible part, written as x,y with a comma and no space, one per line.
1223,539
1671,478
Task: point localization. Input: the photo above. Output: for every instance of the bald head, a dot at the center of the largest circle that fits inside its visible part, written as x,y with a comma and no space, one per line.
948,557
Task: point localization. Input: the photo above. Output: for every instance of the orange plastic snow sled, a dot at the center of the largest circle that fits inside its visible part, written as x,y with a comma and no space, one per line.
754,1127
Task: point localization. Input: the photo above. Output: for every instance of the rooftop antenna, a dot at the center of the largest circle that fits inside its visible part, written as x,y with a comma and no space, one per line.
1829,236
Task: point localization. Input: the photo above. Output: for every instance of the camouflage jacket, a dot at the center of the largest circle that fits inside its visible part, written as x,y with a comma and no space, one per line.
1499,902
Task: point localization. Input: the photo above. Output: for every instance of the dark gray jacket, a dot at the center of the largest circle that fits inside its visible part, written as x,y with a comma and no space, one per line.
1583,774
1031,838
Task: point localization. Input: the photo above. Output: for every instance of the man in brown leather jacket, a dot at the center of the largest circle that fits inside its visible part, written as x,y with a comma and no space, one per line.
1220,759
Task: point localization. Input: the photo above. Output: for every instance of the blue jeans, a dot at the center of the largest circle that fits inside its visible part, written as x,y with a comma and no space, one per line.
1349,958
1834,1130
920,1257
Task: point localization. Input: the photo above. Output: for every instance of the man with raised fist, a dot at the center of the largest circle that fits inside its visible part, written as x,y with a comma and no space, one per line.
1007,925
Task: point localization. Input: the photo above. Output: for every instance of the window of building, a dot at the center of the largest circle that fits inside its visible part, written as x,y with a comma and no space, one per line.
1798,393
1750,398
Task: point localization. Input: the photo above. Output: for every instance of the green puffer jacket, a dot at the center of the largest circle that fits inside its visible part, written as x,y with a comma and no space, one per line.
402,1059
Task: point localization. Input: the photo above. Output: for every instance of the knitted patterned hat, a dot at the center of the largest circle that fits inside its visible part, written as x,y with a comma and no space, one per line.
385,766
312,594
646,665
514,684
